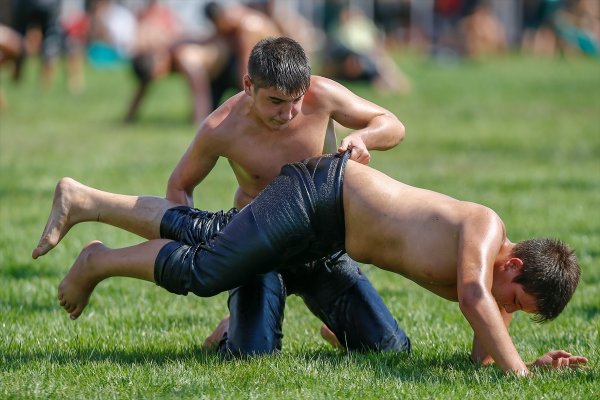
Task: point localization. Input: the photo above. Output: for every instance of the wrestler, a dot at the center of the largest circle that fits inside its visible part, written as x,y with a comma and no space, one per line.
285,114
456,249
199,63
241,28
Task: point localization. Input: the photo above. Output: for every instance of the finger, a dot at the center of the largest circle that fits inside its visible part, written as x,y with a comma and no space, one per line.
559,353
578,360
344,145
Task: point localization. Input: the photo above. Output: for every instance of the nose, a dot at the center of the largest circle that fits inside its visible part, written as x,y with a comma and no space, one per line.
287,112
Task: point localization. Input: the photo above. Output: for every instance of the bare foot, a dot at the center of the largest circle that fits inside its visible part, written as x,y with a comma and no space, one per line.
215,337
75,289
330,337
61,217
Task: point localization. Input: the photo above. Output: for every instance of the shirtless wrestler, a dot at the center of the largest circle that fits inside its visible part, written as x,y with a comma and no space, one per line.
285,114
456,249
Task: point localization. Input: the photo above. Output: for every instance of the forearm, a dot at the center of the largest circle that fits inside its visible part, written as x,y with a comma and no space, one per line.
188,173
382,133
479,354
495,342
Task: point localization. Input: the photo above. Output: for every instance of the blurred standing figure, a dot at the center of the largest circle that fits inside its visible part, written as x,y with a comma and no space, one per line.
539,35
355,52
11,47
578,26
292,23
561,25
482,32
43,16
162,48
241,28
112,32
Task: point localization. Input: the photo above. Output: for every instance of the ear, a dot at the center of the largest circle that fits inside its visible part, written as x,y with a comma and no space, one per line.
514,264
247,85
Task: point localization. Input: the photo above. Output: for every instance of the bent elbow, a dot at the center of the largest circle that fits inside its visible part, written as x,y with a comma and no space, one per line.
471,298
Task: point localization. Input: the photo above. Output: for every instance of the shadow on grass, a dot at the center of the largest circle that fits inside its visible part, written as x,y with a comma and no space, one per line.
77,355
417,368
383,366
447,368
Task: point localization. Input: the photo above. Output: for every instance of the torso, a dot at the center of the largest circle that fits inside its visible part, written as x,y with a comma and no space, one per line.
256,154
417,231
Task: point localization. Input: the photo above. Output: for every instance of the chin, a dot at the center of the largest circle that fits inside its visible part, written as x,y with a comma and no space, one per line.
278,126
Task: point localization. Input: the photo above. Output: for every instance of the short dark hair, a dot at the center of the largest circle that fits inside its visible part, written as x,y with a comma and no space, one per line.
280,63
550,274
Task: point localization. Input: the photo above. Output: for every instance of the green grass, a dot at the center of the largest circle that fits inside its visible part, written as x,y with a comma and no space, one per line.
520,135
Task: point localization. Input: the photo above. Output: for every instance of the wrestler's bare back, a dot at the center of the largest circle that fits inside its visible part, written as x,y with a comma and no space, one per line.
407,230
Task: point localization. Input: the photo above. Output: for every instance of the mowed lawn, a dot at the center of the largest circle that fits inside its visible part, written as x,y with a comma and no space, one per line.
519,135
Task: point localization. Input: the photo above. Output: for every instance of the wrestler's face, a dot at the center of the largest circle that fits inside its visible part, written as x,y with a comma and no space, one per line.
273,108
509,295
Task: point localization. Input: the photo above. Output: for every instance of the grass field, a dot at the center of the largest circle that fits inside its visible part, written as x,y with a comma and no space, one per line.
519,135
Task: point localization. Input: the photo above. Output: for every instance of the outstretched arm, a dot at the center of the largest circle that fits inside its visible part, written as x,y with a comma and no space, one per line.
481,238
375,127
479,354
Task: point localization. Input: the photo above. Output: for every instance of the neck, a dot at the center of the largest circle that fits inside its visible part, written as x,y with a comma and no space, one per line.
505,253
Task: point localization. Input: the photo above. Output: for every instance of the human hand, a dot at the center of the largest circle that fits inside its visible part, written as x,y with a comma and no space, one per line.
559,359
358,149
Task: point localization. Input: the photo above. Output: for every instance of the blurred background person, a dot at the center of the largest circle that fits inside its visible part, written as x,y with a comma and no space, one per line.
577,24
157,28
561,26
538,35
482,33
292,23
355,51
38,22
11,47
112,32
162,48
241,27
393,18
75,29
